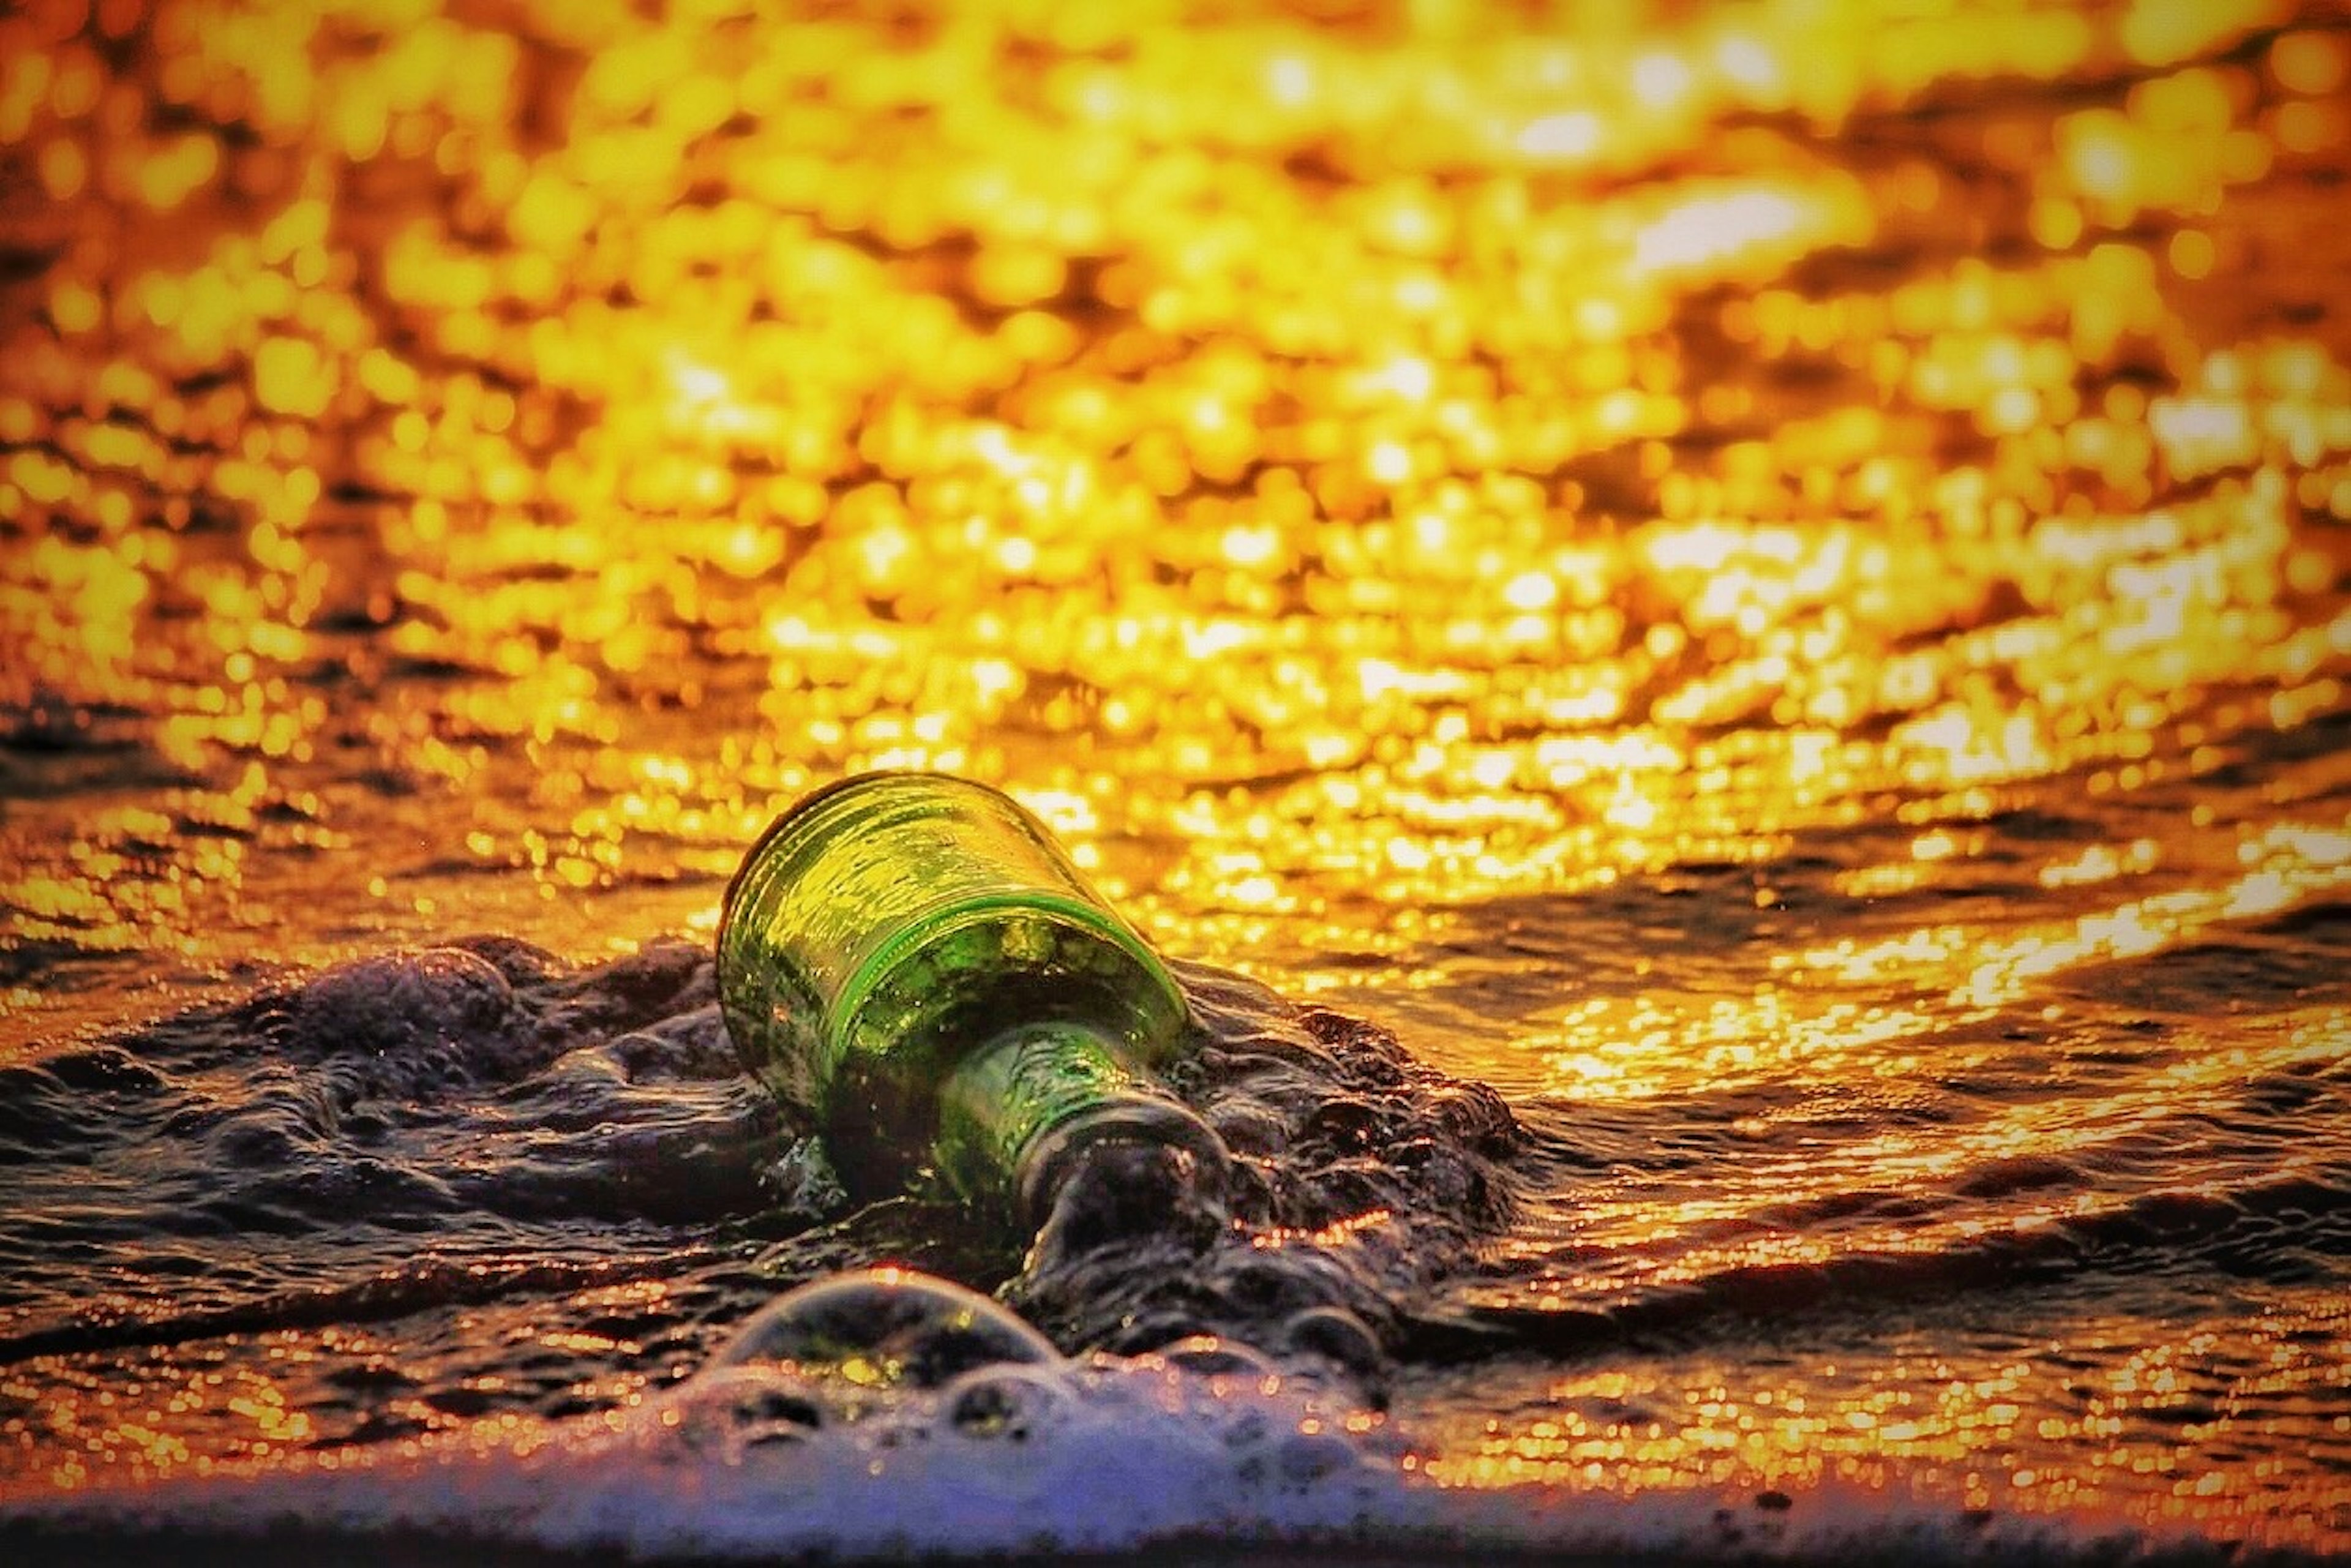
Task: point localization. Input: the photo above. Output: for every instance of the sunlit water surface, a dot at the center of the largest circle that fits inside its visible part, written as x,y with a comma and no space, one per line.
1766,580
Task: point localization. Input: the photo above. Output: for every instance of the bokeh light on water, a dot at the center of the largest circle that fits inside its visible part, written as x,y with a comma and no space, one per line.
1660,550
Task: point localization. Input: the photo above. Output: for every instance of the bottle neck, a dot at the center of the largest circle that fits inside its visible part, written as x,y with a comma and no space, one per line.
1018,1113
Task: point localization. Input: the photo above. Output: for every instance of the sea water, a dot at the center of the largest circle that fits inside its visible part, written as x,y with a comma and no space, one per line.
1715,634
506,1254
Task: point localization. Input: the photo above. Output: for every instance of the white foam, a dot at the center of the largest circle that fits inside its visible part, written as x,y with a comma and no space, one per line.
1120,1455
885,1414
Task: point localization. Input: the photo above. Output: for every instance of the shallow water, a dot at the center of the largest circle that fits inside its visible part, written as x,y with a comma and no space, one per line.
1718,635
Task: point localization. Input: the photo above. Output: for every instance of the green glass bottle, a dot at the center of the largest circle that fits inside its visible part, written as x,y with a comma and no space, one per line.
911,958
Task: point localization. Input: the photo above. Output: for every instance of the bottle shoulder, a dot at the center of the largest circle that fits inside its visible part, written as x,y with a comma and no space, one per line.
963,980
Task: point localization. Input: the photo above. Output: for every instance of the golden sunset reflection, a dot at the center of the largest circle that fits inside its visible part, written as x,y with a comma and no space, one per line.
1662,551
2144,1424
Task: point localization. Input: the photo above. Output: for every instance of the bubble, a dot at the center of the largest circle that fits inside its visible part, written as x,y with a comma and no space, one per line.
1208,1355
730,1413
1007,1403
886,1328
1302,1458
1338,1336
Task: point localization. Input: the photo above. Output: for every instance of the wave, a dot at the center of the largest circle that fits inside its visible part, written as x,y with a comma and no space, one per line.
887,1416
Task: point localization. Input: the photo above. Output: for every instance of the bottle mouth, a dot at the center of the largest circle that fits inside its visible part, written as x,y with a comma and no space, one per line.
1135,1119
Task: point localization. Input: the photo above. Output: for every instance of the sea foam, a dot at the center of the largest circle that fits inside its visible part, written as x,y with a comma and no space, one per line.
885,1414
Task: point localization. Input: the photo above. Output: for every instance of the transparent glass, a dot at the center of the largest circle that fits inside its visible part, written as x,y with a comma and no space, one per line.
912,960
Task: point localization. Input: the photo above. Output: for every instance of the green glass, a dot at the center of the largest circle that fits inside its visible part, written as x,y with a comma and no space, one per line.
912,959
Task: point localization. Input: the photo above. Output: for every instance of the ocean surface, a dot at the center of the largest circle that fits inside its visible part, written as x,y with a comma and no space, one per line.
1716,636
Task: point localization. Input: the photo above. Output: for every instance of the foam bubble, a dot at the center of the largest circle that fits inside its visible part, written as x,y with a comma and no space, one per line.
886,1415
884,1328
